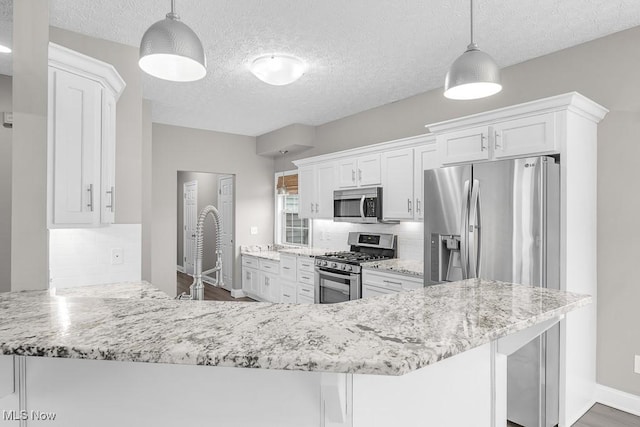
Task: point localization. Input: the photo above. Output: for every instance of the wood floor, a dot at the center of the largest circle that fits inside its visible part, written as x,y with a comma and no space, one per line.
603,416
598,416
211,293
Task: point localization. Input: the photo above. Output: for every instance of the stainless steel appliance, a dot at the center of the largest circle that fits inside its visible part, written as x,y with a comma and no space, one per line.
358,205
500,220
337,275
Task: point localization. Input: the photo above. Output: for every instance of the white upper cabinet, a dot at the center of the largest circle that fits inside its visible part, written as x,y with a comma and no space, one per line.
315,186
402,179
424,158
362,171
464,146
397,182
521,137
81,139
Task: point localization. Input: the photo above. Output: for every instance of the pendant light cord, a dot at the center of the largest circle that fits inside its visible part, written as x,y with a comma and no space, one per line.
471,1
173,7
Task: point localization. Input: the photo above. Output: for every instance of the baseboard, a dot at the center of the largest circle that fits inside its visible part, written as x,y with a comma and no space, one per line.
180,268
621,400
237,293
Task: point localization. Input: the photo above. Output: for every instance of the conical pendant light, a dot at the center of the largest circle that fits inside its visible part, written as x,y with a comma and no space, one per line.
170,50
473,75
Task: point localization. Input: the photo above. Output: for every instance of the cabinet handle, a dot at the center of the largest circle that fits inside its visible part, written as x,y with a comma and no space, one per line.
311,207
482,139
353,175
90,190
266,281
112,198
495,140
316,208
409,205
360,175
418,205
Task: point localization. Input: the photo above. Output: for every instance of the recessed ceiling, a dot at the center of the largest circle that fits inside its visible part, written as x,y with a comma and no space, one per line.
361,53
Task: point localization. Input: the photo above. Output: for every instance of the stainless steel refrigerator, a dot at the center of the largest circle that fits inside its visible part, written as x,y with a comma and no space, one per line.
500,220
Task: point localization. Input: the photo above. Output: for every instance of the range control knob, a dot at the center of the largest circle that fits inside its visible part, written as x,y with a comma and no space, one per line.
334,265
350,268
343,267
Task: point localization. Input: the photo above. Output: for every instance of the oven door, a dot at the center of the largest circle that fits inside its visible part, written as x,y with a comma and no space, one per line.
336,287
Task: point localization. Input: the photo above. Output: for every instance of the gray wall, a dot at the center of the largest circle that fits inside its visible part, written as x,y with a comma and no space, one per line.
29,259
183,149
207,195
5,188
605,70
128,117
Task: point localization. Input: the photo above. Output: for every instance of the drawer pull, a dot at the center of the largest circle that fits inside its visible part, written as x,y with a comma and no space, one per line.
392,282
286,268
285,295
305,290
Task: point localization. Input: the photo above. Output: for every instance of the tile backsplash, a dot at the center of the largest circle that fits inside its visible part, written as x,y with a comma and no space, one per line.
84,256
333,235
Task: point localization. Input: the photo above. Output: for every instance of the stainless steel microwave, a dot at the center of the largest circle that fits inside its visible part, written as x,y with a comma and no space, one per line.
358,205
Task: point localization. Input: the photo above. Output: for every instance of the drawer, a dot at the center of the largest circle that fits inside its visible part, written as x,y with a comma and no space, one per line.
373,291
249,261
306,263
288,267
288,292
390,281
306,277
269,266
305,300
306,291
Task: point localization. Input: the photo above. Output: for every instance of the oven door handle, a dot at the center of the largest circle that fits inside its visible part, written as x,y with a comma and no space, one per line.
362,207
335,275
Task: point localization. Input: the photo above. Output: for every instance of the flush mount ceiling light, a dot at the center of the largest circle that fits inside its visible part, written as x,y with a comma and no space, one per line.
278,70
170,50
4,49
473,75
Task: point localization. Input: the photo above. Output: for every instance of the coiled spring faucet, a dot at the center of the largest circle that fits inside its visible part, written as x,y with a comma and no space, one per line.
197,287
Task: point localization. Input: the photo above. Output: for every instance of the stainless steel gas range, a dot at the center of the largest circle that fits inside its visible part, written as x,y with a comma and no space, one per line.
338,275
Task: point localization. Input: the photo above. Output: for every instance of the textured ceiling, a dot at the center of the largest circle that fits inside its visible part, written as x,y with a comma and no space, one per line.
362,53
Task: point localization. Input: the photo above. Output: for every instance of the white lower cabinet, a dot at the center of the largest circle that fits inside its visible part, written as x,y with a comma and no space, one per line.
289,292
250,281
269,287
306,293
381,282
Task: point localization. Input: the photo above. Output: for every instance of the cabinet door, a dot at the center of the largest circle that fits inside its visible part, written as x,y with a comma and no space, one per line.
288,267
369,170
346,173
324,190
424,158
250,281
269,287
108,181
526,136
464,146
75,146
397,183
306,191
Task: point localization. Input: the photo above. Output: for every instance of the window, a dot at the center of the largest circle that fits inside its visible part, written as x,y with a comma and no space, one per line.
290,229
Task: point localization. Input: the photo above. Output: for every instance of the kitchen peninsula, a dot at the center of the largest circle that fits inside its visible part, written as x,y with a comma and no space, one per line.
406,359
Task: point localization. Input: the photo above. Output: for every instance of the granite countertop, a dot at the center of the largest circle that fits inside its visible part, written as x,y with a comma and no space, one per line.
400,266
272,255
140,290
310,252
387,335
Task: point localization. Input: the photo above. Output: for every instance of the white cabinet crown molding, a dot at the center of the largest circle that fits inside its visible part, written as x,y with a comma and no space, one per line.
74,62
572,101
412,141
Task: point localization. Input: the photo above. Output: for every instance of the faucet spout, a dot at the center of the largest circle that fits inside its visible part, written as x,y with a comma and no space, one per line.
197,287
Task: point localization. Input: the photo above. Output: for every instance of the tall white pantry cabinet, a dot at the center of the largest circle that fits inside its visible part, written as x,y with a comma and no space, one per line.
83,92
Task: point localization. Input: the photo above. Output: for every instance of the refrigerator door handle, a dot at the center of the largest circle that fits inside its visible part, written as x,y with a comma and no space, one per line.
474,230
464,231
